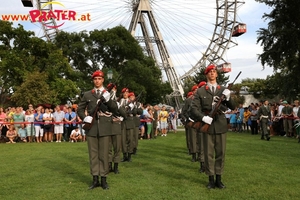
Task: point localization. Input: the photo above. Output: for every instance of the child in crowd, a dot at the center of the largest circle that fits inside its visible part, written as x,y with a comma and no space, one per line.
11,134
232,120
75,135
22,133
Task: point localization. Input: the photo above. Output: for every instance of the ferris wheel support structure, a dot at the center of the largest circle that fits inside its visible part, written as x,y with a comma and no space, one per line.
141,8
222,35
49,33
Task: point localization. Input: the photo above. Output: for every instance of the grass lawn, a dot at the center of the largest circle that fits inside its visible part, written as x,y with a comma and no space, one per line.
254,169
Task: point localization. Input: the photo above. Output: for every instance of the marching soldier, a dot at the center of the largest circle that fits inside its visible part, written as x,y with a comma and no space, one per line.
264,117
185,115
214,141
200,148
115,139
136,111
192,131
99,108
127,127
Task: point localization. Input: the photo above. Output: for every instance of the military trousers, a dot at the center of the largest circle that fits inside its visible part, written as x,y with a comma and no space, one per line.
127,140
264,127
187,138
214,153
115,143
136,137
200,148
98,155
193,140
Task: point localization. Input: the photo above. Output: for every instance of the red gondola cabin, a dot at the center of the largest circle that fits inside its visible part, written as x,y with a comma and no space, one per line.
224,68
239,30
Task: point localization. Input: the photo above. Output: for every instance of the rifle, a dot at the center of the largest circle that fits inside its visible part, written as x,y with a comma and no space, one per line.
215,109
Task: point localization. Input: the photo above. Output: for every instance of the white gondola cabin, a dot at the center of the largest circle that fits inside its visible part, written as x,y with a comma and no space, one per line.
224,68
27,3
239,30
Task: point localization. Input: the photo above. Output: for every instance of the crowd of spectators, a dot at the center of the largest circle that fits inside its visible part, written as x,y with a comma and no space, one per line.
44,124
245,119
40,124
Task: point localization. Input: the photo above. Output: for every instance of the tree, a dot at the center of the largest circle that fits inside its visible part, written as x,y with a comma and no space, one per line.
22,54
281,43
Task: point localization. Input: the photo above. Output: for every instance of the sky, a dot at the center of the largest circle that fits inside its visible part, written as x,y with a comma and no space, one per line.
185,43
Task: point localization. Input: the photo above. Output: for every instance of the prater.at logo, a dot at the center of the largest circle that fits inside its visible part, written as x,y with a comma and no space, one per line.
57,14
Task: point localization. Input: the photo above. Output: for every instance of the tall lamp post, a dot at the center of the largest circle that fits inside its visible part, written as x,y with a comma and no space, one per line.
109,74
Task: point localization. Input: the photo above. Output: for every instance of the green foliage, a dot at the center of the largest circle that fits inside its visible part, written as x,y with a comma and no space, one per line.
162,169
68,62
281,44
34,90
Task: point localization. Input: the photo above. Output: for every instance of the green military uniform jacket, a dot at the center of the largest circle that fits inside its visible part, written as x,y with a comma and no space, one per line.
264,111
102,125
186,108
202,105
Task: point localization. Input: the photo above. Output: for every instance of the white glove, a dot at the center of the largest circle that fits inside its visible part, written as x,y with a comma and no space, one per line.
207,120
215,100
106,96
131,106
88,119
121,118
118,104
226,93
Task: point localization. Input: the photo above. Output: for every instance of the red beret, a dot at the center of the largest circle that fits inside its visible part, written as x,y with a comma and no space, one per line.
131,94
195,87
201,84
208,68
189,94
98,73
125,90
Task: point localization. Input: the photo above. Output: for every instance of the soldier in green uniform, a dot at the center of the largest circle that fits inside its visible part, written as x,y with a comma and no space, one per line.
136,111
185,116
200,141
214,141
99,109
115,140
127,127
264,117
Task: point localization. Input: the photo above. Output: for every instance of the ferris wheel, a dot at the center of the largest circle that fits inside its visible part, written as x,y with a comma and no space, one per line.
192,33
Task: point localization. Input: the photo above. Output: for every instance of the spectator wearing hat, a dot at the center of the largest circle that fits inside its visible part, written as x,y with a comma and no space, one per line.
264,117
214,141
287,114
100,108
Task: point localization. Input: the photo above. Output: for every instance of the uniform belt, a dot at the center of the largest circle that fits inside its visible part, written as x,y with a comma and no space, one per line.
106,114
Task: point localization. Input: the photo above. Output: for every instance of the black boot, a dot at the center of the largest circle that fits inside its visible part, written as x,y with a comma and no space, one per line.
104,184
219,183
299,139
116,169
211,182
134,151
124,157
202,169
129,157
268,138
95,182
193,157
110,167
